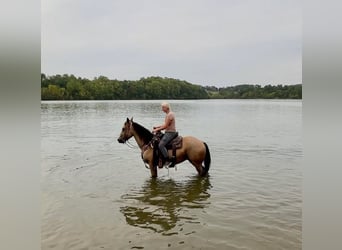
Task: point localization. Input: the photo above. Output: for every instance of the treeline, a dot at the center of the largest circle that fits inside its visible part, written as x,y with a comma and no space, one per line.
247,91
69,87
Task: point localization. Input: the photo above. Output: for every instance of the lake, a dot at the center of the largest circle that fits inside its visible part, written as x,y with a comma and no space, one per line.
97,194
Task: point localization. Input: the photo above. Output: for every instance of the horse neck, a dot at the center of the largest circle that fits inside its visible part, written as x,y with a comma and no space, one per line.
141,135
138,138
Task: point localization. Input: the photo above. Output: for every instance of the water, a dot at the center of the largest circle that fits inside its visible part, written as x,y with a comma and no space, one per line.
97,194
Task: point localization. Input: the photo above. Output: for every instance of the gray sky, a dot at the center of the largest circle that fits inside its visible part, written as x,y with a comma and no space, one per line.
207,42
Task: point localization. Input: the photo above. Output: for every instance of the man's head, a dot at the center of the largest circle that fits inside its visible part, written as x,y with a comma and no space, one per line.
166,107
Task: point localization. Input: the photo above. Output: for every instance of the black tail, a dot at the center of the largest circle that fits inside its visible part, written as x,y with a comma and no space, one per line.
207,160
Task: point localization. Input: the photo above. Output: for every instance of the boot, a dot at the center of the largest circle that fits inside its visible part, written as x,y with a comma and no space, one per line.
170,162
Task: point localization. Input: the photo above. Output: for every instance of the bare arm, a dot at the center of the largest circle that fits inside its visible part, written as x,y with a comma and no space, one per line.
167,122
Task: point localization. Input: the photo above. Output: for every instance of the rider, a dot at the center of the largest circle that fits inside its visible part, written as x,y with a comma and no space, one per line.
170,130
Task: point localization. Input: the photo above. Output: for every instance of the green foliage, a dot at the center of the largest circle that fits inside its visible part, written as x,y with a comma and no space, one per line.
68,87
247,91
53,92
101,88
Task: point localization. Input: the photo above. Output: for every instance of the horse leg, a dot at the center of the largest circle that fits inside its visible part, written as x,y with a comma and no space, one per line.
148,158
153,169
198,166
198,153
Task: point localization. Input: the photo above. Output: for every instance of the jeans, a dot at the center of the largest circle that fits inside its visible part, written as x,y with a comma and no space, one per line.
165,140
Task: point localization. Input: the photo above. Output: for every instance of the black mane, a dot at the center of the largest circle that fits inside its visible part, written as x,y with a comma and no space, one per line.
143,132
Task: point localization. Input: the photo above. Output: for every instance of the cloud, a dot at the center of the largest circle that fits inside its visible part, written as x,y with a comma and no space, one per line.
205,42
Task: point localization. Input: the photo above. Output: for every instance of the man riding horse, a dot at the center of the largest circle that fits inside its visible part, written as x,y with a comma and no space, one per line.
170,132
183,148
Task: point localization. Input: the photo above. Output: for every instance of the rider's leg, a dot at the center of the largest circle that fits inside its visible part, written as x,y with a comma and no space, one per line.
165,140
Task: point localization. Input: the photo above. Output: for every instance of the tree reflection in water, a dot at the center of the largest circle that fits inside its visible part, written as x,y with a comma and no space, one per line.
160,204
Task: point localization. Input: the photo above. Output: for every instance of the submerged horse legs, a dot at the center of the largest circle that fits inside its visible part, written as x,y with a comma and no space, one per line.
198,166
153,169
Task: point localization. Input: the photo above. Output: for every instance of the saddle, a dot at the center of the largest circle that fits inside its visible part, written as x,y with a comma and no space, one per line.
173,145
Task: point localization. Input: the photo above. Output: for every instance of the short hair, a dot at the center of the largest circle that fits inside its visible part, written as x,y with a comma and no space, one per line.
166,104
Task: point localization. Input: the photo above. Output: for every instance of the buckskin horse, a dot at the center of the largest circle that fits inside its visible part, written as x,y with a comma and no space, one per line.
192,149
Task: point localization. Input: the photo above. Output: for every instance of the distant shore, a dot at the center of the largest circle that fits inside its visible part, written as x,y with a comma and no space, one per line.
69,87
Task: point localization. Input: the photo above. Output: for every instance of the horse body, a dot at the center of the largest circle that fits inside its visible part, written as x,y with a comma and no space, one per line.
193,149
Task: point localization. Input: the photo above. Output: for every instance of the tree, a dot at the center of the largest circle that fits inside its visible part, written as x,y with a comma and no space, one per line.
52,92
74,88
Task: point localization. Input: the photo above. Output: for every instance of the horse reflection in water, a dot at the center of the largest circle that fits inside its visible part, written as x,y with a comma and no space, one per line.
162,204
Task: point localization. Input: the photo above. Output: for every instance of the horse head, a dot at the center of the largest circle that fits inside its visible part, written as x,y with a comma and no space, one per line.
126,132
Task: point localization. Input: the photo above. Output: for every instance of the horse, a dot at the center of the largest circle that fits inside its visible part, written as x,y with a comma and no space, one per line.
193,150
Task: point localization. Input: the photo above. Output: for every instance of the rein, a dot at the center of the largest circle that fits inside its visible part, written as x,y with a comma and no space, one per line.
130,145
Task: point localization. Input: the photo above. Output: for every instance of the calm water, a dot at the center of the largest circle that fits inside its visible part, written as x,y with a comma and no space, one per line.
97,194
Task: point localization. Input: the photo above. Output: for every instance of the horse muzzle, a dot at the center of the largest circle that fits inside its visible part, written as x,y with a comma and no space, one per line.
121,140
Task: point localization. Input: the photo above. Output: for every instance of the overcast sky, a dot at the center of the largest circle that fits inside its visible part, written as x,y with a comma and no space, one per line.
207,42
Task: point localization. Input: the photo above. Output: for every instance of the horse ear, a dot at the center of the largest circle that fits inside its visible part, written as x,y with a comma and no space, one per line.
132,119
127,120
